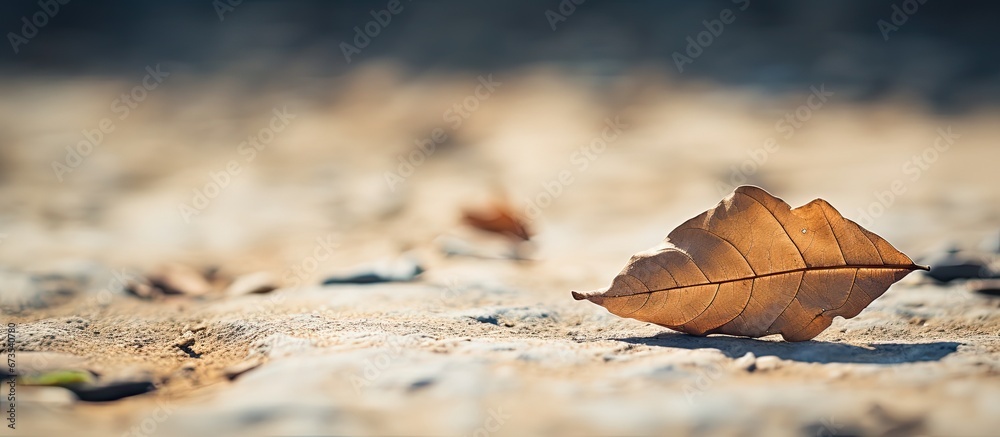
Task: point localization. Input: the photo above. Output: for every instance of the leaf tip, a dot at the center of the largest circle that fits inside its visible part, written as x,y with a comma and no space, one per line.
923,267
596,296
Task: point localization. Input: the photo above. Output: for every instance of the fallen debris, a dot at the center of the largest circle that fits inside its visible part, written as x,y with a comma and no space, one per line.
403,269
180,279
236,370
253,283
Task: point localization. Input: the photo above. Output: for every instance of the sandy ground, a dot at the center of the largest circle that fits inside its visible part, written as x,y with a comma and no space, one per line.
474,346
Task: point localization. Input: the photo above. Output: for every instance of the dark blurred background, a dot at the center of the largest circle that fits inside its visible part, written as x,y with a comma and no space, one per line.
944,52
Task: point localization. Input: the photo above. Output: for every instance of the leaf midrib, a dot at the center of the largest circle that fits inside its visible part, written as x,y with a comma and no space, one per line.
785,272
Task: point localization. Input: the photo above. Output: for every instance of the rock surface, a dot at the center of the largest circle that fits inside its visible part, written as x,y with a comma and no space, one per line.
337,363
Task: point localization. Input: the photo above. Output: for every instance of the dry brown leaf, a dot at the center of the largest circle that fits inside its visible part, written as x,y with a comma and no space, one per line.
752,266
500,218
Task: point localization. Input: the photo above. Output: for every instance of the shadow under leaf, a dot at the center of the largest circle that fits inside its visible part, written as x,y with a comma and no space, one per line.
806,351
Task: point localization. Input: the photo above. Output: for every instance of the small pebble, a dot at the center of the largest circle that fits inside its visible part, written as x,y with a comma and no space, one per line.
768,362
49,396
234,371
956,264
253,283
399,270
111,391
747,362
988,287
180,279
